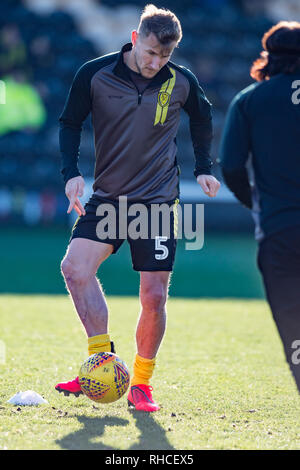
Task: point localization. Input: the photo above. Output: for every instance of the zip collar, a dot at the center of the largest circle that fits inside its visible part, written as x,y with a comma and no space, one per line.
121,71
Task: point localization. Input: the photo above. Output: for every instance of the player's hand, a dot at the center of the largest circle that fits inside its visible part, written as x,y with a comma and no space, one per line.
74,189
209,184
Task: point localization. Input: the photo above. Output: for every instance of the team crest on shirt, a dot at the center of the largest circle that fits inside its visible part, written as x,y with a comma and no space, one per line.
163,98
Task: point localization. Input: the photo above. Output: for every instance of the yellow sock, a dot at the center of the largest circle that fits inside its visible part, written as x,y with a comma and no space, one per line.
142,370
99,343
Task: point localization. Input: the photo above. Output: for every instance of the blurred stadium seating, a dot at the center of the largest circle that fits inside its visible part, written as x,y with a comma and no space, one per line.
43,43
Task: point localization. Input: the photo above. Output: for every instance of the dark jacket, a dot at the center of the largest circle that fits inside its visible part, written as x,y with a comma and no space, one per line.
260,152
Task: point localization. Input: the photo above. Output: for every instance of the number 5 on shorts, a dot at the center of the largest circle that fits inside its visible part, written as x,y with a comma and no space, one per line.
159,247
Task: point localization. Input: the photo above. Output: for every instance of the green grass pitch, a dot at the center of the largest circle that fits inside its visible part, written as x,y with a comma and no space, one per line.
221,378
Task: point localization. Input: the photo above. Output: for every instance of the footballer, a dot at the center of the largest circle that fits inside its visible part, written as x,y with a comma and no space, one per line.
260,153
135,97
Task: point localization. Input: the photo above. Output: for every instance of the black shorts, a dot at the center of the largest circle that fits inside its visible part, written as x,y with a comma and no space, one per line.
153,250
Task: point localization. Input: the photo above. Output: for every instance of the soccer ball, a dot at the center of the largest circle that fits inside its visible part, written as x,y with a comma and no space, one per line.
104,377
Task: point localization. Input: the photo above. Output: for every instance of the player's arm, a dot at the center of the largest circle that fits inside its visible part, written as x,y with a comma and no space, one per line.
77,108
198,109
234,152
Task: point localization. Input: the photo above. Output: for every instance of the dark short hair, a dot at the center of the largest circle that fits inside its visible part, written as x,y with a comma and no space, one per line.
281,53
161,22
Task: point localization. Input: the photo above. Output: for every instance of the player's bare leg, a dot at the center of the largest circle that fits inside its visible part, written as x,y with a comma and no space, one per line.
149,334
79,268
152,321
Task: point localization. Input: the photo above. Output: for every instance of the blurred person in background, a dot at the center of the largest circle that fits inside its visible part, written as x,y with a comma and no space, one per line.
135,97
13,54
263,123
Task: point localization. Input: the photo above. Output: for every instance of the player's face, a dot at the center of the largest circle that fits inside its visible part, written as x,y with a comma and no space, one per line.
150,56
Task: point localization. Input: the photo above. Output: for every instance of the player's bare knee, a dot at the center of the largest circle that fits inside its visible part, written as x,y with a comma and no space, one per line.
154,299
65,267
73,274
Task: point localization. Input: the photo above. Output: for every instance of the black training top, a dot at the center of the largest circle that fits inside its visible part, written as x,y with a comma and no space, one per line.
263,123
135,130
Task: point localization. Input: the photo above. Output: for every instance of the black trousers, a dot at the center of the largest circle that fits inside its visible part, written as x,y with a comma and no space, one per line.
279,263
